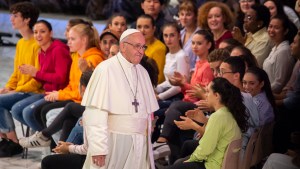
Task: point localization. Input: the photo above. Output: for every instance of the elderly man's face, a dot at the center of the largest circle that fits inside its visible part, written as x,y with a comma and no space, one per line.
133,48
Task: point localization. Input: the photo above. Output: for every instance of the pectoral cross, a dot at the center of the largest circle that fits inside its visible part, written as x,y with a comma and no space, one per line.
135,104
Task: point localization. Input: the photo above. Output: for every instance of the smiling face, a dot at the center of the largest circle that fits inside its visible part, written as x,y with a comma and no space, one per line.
42,35
276,31
118,24
215,19
251,84
200,45
187,18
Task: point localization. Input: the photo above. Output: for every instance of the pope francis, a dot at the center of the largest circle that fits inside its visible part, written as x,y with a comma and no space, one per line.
119,100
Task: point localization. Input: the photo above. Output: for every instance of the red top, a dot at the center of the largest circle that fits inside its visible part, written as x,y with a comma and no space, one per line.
226,35
55,65
202,75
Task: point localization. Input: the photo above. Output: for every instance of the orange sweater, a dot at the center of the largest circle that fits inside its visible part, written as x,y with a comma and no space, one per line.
71,92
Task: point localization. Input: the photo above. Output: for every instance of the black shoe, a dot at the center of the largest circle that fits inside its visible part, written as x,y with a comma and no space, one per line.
3,143
11,149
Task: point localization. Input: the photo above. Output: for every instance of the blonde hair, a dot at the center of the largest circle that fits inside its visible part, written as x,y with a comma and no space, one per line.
226,13
90,32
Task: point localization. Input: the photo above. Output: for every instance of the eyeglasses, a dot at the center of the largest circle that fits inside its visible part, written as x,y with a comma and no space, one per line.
248,17
221,73
137,46
244,1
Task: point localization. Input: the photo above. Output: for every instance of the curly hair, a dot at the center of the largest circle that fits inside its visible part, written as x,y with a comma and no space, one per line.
232,98
27,10
226,12
218,55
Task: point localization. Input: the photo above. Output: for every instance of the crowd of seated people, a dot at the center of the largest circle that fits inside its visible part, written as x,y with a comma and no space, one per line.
219,73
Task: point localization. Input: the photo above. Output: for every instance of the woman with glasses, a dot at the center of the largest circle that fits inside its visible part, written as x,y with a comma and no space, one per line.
217,18
257,40
224,125
244,7
155,48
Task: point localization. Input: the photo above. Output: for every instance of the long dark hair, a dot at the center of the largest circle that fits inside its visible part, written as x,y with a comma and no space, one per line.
232,98
209,37
262,76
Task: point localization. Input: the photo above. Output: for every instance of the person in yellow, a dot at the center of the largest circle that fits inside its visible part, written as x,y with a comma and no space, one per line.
155,48
19,86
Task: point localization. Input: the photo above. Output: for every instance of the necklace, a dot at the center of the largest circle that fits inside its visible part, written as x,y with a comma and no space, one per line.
135,103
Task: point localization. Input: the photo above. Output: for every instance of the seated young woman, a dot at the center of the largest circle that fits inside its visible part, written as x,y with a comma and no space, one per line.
225,125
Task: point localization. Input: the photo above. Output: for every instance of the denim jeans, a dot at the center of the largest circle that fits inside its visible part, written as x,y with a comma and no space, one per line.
76,135
23,111
6,103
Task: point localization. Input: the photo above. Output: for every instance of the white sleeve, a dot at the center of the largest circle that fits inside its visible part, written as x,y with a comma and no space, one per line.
96,130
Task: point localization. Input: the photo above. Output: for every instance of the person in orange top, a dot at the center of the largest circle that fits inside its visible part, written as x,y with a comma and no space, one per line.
83,41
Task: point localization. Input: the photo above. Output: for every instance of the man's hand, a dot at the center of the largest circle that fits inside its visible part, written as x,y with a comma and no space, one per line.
99,160
51,96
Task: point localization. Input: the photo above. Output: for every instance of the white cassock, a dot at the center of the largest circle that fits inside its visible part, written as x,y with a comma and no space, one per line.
111,125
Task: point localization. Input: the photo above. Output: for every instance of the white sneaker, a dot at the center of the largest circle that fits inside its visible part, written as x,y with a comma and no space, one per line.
36,140
161,150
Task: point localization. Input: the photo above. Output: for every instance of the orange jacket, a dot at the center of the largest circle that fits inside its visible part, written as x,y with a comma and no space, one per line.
93,56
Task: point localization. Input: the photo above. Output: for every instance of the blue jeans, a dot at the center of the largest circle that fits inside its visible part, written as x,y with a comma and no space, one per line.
23,111
76,135
6,103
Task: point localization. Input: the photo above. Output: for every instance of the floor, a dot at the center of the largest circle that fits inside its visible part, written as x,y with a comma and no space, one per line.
34,155
6,68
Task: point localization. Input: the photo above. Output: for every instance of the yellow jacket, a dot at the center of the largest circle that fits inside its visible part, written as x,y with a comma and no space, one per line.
26,53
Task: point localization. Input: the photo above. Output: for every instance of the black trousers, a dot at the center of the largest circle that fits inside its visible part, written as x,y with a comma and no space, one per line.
189,165
171,132
63,161
42,110
65,120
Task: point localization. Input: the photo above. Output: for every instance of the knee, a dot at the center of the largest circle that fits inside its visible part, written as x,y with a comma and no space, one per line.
28,113
16,111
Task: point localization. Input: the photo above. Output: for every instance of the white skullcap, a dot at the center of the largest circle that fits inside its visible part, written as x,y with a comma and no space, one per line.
128,32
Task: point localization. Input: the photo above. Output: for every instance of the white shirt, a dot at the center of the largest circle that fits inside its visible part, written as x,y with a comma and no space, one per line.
179,62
